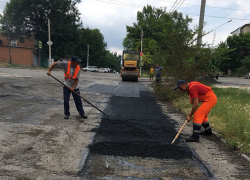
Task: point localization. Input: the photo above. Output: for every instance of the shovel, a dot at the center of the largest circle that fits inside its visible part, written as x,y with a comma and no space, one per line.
79,96
179,131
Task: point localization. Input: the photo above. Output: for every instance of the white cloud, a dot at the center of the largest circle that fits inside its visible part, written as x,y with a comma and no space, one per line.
111,17
115,49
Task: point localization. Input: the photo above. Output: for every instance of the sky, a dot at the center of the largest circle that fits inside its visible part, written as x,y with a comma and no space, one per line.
112,16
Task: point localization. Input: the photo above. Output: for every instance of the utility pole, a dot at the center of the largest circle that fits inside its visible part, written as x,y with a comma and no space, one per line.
141,50
7,24
49,42
88,56
201,22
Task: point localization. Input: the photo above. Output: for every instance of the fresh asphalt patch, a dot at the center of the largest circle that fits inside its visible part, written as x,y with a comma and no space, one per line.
137,129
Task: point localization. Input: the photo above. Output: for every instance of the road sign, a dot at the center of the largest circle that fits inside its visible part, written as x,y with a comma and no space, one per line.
40,44
49,42
141,53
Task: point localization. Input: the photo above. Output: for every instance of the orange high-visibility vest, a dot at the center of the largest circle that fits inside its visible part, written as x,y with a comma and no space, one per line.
67,74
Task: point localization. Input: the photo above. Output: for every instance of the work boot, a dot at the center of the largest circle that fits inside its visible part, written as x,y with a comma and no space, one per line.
206,133
192,139
66,117
84,116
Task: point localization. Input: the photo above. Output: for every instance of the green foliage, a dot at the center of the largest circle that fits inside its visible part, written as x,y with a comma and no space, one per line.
245,68
168,41
97,46
232,53
25,18
30,19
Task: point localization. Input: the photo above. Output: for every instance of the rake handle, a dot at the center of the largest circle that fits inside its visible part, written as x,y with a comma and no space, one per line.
79,95
179,131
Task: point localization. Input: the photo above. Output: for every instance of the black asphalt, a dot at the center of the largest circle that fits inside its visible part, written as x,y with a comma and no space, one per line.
136,127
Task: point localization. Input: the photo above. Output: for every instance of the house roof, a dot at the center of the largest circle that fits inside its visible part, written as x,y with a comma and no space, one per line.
240,28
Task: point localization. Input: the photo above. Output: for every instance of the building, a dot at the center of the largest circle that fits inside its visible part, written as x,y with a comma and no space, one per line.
21,53
243,29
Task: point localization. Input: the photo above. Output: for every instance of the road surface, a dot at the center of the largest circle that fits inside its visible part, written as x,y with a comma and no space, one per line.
133,142
238,82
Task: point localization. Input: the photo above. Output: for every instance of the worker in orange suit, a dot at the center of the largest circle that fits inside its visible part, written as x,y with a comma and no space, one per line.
198,92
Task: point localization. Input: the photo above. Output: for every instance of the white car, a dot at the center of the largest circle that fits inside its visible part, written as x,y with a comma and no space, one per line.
103,70
90,68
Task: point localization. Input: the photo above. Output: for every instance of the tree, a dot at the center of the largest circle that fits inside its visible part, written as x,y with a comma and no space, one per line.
169,42
113,61
97,47
233,53
29,19
220,57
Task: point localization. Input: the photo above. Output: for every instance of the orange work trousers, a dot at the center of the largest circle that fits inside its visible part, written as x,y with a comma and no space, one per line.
208,101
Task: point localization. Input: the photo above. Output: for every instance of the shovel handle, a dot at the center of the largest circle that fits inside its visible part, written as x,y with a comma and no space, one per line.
179,131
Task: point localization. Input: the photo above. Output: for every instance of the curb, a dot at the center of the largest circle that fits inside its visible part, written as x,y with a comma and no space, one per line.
242,155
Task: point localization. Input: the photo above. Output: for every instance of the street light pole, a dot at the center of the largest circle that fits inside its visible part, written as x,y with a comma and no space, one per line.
217,28
141,49
214,39
88,56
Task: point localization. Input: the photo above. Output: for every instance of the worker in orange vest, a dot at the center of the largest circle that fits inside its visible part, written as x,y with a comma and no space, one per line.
71,79
198,92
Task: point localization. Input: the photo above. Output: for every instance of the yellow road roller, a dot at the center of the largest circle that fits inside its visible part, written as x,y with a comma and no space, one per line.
130,63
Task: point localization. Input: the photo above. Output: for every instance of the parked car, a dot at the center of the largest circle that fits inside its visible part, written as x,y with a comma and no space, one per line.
247,76
103,70
90,68
110,70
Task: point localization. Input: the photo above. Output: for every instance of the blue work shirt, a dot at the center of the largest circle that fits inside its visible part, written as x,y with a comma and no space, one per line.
158,71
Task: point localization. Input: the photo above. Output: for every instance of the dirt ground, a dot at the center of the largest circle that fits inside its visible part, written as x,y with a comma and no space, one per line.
37,143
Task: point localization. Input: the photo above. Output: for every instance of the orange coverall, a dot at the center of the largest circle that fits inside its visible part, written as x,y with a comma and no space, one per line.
208,101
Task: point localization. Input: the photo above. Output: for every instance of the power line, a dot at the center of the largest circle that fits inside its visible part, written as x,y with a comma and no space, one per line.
176,5
217,16
210,6
134,5
122,3
180,5
173,5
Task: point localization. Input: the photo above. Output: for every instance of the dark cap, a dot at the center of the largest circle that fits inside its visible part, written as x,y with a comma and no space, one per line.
75,58
179,83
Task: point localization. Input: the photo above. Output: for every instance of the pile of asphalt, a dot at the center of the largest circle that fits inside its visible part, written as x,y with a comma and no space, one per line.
207,80
138,127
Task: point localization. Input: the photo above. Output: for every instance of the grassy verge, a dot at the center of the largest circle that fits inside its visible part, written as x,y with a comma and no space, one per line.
230,117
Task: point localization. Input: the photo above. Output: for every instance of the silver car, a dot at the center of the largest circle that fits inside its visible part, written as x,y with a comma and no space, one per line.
103,70
90,68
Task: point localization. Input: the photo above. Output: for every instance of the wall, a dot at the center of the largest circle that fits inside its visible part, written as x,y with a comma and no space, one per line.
28,43
246,29
19,56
